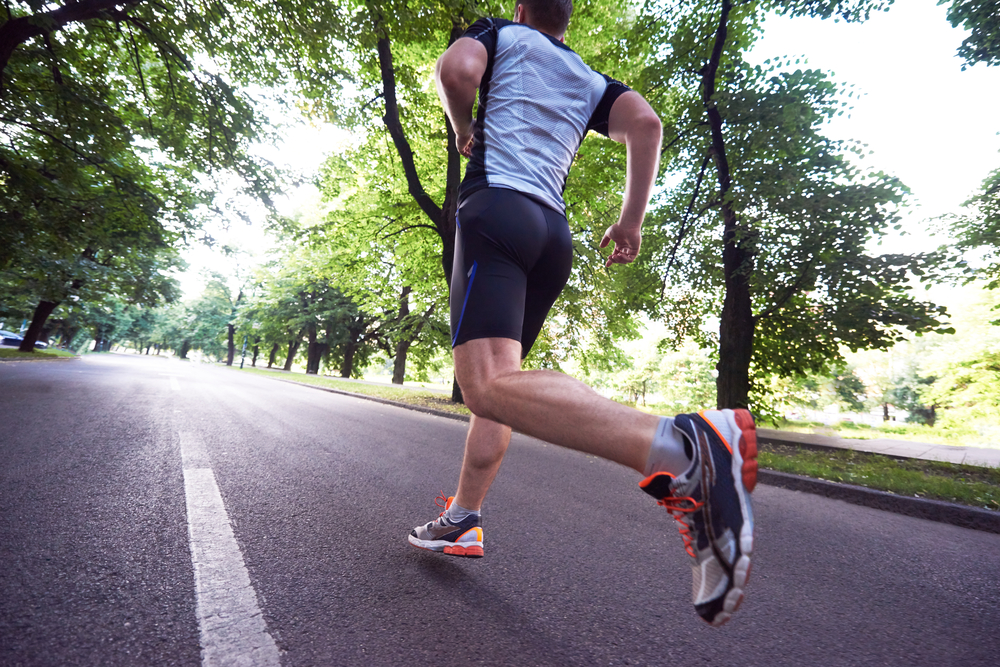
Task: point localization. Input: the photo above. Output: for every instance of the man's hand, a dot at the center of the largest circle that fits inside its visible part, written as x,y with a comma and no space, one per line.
464,140
627,241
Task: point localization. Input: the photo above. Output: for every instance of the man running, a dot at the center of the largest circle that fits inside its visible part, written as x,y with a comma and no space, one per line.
513,253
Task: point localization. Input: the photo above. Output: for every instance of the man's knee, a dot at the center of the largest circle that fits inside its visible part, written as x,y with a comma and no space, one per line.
475,394
479,364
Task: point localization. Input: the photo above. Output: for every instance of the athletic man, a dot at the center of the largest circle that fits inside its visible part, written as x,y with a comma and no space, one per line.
513,251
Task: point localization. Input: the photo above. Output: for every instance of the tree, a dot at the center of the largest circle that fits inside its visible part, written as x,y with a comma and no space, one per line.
111,131
781,206
209,318
297,296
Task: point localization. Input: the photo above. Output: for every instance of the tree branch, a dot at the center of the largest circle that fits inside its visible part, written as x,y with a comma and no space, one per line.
789,293
395,127
15,32
685,223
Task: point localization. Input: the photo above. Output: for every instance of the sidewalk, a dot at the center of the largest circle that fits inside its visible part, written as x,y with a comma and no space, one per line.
899,448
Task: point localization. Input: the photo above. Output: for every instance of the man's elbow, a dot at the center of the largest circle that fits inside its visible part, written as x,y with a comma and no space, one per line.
647,126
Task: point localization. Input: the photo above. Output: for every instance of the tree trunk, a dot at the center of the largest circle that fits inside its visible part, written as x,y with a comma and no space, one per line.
256,351
347,365
456,393
736,325
148,345
274,353
404,341
442,217
736,329
885,412
315,352
293,347
231,353
185,348
42,312
399,362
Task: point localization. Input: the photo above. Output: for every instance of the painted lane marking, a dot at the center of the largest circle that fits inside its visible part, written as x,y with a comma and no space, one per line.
232,628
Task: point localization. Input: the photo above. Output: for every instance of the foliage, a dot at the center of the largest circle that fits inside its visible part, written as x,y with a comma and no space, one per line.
978,228
982,19
115,121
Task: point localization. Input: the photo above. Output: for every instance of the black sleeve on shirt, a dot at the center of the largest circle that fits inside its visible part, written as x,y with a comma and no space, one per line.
599,119
485,31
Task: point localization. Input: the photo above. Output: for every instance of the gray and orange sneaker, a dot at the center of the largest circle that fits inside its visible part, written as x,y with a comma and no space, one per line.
711,501
464,538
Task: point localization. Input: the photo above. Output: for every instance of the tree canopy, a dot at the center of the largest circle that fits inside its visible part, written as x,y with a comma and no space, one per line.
123,121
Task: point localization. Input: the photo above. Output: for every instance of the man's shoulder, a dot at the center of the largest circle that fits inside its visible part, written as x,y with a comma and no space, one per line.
488,23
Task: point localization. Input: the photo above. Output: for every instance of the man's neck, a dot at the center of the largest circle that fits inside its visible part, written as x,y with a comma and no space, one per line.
521,15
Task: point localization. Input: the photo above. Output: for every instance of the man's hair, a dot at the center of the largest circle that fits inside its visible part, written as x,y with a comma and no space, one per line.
549,15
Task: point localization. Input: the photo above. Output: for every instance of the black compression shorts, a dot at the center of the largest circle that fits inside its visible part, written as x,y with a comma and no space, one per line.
512,259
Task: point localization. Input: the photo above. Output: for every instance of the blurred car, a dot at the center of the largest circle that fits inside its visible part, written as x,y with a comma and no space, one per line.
11,339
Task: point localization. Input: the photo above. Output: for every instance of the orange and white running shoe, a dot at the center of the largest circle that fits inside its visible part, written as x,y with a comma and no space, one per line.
711,501
464,538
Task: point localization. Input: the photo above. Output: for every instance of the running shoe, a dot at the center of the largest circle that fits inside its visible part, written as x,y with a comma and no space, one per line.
464,538
711,501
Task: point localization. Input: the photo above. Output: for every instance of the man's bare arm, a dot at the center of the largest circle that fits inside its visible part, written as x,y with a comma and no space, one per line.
458,74
634,123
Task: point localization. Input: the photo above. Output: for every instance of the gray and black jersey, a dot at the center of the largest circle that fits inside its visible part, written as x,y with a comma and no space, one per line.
537,100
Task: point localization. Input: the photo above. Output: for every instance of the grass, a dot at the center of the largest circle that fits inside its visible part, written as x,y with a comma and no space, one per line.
37,355
951,482
421,397
964,484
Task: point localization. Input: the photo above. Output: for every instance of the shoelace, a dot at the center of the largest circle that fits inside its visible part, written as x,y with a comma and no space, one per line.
680,509
442,501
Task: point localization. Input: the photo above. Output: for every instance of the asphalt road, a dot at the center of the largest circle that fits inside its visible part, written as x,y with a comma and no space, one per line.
320,490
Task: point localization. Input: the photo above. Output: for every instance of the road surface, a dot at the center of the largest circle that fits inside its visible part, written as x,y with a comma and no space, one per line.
151,508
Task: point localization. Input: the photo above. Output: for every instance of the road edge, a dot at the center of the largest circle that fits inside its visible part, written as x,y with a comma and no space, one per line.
963,516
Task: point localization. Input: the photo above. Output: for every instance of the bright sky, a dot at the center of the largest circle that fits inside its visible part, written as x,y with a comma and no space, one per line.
928,122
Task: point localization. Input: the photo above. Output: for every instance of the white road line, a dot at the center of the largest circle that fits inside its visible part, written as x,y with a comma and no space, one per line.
233,631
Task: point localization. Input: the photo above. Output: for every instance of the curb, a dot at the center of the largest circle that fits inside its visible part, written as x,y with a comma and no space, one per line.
962,516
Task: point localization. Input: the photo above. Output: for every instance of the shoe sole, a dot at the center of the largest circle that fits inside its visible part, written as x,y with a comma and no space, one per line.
744,471
466,550
733,599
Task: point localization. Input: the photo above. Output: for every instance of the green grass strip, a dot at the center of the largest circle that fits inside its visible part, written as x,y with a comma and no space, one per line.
421,397
14,353
969,485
